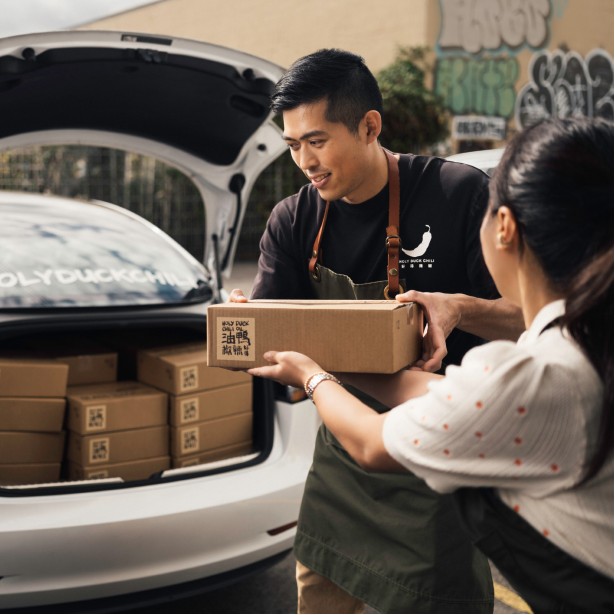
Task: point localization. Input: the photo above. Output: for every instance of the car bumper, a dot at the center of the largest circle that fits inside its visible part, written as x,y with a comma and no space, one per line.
65,548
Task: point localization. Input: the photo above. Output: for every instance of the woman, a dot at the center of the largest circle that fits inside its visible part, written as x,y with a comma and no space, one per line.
532,420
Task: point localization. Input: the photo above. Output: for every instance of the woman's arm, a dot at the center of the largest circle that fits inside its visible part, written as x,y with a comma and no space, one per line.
391,389
357,427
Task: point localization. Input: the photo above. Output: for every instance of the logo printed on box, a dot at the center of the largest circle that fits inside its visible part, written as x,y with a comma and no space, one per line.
99,450
189,410
189,440
189,378
96,417
236,338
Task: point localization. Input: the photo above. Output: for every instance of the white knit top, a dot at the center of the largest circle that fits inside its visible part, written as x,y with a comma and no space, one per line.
522,418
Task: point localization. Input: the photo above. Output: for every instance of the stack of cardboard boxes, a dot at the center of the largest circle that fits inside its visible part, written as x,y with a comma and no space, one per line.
115,429
32,406
210,409
173,412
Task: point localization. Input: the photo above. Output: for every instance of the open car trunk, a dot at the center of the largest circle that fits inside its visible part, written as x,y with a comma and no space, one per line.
83,440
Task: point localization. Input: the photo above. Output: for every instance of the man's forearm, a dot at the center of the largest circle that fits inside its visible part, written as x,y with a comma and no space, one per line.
491,319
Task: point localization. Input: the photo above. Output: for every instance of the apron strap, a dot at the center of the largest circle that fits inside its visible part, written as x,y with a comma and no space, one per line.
313,266
393,241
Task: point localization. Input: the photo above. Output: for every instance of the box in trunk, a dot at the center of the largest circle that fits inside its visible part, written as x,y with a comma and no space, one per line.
31,377
115,406
217,454
183,369
32,413
118,446
29,473
209,435
18,447
211,404
140,469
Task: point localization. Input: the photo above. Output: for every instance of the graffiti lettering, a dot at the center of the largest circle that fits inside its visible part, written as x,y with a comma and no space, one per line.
474,25
483,87
563,84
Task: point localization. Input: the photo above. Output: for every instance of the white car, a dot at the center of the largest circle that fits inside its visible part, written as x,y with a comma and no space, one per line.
201,109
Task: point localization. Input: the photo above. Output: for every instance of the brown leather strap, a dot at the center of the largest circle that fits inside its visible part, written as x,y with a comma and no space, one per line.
393,241
313,266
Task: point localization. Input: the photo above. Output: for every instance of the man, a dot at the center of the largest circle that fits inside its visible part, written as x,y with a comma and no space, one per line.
369,225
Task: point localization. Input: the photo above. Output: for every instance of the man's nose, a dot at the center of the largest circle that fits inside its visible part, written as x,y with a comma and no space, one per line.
306,159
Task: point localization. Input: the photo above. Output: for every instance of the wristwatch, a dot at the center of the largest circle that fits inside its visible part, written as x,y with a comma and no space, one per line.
315,379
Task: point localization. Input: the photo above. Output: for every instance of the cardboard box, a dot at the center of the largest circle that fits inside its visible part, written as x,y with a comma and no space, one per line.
225,452
130,342
341,336
32,413
29,377
115,406
29,473
210,435
183,369
88,361
90,368
17,447
118,446
212,404
140,469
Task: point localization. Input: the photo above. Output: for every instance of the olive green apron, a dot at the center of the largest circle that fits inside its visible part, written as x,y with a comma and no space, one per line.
385,538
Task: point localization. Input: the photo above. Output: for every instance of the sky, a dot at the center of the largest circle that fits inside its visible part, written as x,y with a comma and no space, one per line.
25,16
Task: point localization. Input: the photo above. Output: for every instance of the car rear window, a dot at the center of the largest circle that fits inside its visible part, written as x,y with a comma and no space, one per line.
62,253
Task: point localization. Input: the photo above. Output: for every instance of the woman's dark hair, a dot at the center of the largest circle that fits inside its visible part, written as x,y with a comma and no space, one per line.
339,77
557,179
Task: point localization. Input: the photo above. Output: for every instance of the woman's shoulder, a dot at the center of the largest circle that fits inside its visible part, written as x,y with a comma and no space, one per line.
551,362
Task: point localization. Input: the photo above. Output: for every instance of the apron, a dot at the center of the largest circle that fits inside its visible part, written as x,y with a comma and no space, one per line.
387,539
547,578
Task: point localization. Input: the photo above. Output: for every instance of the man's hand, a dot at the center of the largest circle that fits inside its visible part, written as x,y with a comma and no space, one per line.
237,296
491,319
441,318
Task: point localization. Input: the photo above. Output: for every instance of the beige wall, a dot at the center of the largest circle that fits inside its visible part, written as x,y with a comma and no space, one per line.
283,30
482,50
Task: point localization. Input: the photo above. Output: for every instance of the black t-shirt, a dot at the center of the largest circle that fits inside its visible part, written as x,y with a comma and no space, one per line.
441,208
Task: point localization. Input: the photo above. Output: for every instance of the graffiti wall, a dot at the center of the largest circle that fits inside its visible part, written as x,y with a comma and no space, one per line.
564,83
483,74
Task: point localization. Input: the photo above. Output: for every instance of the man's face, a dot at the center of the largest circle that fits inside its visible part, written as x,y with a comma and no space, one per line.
334,159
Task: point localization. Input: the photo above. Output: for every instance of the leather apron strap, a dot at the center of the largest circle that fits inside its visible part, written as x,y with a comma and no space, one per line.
392,241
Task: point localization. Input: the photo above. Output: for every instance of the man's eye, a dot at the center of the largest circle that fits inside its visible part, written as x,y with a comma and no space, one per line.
293,146
317,143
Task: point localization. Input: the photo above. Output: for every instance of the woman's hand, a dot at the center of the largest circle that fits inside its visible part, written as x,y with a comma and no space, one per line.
289,368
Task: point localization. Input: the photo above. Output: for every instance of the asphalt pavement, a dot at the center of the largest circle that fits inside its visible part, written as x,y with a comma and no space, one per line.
274,591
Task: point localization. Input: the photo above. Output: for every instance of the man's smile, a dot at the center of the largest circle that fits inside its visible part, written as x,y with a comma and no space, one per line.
319,180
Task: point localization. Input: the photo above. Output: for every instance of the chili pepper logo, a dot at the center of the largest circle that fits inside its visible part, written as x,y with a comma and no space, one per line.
422,247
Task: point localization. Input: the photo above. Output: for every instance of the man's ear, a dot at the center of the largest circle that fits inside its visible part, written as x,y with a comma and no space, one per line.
372,121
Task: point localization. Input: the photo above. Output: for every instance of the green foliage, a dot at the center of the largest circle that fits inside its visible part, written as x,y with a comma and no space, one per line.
415,119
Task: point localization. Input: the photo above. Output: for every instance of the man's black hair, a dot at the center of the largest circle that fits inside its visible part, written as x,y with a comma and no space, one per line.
339,77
